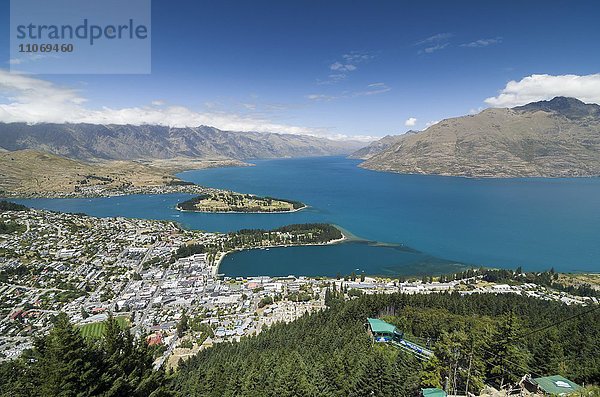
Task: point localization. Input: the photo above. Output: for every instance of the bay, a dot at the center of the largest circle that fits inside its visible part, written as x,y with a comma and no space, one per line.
537,223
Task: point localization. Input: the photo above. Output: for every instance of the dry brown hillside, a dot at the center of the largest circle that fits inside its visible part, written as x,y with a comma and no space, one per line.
29,172
557,138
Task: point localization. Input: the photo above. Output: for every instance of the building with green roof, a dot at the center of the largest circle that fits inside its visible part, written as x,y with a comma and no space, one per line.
554,385
382,331
433,392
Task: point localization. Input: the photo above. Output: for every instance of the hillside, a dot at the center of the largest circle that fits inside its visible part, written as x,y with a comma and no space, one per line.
33,173
129,142
556,138
379,146
376,147
500,338
330,354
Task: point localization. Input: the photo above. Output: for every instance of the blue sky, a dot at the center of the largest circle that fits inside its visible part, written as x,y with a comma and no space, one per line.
344,68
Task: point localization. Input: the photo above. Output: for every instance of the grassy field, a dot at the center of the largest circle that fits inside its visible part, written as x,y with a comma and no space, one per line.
95,330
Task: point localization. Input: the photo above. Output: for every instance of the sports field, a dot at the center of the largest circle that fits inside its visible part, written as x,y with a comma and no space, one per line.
95,330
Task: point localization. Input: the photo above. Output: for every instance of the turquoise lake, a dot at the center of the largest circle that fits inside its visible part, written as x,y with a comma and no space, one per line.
533,222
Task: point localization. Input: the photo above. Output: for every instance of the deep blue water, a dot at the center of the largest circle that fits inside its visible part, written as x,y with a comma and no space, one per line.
534,222
332,260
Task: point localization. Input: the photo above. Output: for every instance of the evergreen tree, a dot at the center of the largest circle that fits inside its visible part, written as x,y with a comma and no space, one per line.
507,361
64,362
376,377
329,353
549,356
430,373
182,326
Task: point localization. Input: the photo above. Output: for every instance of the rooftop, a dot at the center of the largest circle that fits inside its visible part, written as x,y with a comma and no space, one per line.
380,326
556,384
433,392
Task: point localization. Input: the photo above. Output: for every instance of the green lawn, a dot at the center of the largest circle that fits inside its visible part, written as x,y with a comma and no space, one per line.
95,330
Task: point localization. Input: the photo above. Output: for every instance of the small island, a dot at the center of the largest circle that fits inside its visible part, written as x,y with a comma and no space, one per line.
231,202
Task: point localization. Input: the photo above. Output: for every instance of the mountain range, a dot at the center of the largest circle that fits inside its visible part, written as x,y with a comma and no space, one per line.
555,138
133,142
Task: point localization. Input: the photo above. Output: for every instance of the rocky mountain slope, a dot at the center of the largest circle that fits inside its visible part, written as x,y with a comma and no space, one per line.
126,142
556,138
378,146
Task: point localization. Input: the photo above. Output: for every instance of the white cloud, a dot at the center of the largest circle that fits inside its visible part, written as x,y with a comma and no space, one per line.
28,99
249,106
158,102
429,50
355,57
349,64
435,38
482,43
410,122
342,67
539,87
430,123
332,79
372,89
362,138
30,58
320,97
434,43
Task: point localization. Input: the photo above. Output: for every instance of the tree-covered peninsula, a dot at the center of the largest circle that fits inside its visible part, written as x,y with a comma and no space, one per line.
290,235
300,234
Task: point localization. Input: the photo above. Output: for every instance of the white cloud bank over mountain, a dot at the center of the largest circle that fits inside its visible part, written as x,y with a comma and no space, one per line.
28,99
538,87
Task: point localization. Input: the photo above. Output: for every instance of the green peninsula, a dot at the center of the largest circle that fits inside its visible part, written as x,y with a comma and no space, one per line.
221,201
